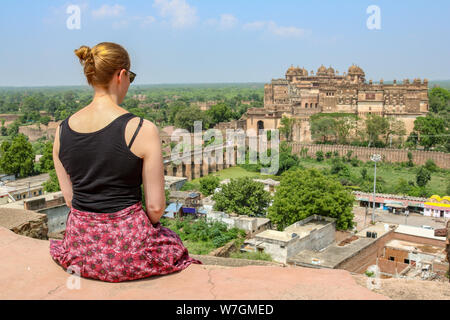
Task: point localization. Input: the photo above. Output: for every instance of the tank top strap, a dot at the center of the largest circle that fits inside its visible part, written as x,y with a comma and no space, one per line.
123,123
136,132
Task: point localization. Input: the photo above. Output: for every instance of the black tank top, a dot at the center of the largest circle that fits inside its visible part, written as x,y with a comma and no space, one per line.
106,176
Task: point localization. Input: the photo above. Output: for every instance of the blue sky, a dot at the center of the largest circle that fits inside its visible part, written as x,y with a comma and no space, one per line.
206,41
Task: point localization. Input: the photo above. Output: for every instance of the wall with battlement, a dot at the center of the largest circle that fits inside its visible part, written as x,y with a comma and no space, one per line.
441,159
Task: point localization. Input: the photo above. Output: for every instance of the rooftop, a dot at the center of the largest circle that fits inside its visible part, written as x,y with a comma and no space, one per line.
27,271
416,247
417,231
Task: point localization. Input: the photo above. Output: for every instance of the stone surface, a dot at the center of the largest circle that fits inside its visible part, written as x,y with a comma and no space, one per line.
225,250
28,272
24,222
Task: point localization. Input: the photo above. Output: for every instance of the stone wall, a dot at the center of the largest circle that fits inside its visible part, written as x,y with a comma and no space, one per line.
24,222
441,159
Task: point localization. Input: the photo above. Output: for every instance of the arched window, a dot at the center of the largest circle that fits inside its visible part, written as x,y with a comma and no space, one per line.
317,105
306,105
260,125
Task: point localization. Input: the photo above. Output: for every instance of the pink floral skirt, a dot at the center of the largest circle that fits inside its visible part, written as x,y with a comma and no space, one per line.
119,246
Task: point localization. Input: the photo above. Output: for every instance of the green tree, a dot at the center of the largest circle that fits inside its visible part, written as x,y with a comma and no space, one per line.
323,128
17,157
432,131
46,161
286,128
208,184
242,196
375,126
219,113
304,192
439,100
52,184
394,127
423,176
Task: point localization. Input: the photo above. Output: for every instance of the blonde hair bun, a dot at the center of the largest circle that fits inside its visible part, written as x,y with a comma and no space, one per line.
102,61
83,53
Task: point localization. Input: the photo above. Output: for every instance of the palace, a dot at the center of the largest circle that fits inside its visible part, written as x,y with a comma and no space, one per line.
301,94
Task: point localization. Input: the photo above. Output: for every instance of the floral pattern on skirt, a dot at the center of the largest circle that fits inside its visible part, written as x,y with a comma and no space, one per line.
119,246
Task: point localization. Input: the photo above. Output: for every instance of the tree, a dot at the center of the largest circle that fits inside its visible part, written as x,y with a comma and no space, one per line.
52,184
423,176
432,131
394,127
375,126
186,117
304,192
46,161
343,127
208,184
322,128
286,127
439,100
219,113
17,157
242,196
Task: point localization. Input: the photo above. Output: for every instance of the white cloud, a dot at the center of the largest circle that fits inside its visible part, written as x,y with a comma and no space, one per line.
257,25
179,12
272,28
148,20
227,21
108,11
285,31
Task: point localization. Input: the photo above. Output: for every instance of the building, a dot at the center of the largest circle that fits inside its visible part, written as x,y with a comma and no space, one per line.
302,94
391,202
313,233
437,207
189,199
252,225
173,210
23,188
174,183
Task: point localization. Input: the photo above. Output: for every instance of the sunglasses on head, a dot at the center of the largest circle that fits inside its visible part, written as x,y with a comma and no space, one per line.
132,75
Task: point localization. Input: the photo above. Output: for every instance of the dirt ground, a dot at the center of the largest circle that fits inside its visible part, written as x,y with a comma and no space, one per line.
406,289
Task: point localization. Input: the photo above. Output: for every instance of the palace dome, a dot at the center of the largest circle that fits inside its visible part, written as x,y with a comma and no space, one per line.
330,71
322,70
355,70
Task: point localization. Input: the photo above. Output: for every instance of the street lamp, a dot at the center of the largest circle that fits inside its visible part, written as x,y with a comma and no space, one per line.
375,158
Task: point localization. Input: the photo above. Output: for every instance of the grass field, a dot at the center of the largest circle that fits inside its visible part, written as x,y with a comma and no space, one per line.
229,173
391,174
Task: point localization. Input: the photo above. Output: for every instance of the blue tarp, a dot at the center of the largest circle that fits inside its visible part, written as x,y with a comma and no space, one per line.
188,210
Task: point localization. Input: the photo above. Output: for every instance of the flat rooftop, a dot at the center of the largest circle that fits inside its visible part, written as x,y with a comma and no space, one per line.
286,235
380,228
415,247
331,256
305,229
418,232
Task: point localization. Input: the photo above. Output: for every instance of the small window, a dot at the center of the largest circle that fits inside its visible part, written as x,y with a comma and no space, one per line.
406,261
392,258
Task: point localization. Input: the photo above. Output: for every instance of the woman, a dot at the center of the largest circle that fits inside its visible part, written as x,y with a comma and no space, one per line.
102,155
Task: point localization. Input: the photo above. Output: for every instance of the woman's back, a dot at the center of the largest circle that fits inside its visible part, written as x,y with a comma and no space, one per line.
106,175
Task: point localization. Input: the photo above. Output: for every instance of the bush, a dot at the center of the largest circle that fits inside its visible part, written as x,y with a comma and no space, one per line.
328,154
319,156
431,166
208,184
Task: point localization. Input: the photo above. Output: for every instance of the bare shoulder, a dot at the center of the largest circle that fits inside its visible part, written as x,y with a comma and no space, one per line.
147,141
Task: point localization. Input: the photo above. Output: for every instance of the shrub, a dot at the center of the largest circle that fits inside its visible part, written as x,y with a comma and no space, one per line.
431,166
319,155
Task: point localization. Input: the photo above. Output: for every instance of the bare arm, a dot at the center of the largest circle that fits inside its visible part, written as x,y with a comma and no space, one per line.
153,172
64,179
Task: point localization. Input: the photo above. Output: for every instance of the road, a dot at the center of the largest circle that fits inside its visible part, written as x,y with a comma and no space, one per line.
413,219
